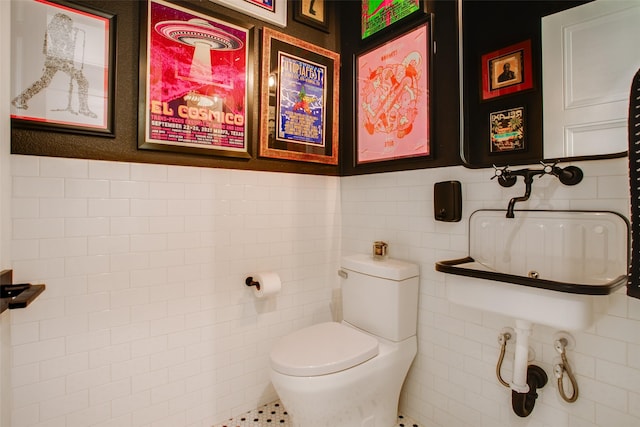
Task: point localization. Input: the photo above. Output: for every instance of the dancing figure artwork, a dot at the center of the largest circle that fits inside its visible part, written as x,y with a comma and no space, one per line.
62,73
59,48
393,103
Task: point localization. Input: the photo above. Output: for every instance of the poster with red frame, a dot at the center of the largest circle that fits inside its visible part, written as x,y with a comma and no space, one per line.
507,70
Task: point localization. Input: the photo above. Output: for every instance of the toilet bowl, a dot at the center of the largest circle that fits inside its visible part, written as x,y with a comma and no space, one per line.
350,374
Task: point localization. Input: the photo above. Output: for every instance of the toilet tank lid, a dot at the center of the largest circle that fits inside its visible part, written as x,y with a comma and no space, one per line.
385,268
322,349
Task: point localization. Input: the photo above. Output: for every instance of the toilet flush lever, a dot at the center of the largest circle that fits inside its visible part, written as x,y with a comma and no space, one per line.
343,274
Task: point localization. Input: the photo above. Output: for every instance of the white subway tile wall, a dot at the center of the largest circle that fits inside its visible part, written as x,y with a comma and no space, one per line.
452,383
146,320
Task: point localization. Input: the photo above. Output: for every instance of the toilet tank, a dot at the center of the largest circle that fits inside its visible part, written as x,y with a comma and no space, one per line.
380,296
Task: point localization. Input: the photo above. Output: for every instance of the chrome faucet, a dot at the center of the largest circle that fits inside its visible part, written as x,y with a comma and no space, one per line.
570,175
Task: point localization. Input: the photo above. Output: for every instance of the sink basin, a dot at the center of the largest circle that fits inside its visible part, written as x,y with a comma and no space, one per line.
547,267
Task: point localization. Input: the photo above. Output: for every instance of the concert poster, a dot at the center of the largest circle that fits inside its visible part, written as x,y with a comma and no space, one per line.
380,14
196,81
301,101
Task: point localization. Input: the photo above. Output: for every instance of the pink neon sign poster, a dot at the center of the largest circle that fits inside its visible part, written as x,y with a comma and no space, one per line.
393,98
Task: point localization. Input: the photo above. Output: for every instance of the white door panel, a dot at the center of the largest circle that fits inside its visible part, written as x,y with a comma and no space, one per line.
590,54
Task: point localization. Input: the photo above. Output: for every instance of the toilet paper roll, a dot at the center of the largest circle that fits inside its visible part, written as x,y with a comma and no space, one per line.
270,284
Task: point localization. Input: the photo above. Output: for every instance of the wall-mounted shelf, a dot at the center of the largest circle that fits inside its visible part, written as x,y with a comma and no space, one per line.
16,296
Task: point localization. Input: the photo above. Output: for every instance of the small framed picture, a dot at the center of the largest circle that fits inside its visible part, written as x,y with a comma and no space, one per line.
62,67
507,130
378,15
273,11
314,13
507,71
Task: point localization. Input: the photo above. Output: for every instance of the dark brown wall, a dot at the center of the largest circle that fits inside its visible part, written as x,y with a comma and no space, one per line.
344,18
124,146
489,25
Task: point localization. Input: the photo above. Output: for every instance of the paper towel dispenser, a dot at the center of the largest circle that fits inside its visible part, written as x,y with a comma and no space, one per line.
447,201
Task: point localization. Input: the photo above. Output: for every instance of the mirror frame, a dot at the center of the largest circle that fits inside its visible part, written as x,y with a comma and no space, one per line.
472,154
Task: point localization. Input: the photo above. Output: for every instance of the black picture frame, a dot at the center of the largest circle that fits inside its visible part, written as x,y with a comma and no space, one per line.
393,93
208,113
314,13
63,68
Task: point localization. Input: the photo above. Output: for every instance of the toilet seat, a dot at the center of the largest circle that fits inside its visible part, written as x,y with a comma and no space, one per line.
322,349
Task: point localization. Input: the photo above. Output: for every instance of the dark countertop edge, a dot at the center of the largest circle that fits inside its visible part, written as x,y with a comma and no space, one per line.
453,267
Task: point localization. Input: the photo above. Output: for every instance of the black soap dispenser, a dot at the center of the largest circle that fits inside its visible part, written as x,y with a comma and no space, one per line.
447,201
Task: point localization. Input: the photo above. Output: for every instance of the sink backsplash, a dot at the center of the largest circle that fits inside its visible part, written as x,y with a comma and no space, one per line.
567,246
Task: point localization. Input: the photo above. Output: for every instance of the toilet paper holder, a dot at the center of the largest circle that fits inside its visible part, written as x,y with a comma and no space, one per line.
250,282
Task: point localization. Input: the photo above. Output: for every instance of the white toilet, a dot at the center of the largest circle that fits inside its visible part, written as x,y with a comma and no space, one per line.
349,374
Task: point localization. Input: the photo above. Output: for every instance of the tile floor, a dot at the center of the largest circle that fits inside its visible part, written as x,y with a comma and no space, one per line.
275,414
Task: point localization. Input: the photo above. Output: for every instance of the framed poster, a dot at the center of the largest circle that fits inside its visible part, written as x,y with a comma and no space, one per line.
273,11
507,70
380,14
299,108
507,130
393,83
194,81
62,67
314,13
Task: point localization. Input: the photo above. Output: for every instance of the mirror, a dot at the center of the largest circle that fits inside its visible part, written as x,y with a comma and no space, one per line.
517,24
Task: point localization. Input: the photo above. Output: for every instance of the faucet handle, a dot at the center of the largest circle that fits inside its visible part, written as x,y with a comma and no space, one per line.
505,179
498,172
569,175
549,169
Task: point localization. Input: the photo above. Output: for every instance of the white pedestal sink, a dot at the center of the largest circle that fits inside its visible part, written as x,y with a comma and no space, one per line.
545,267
